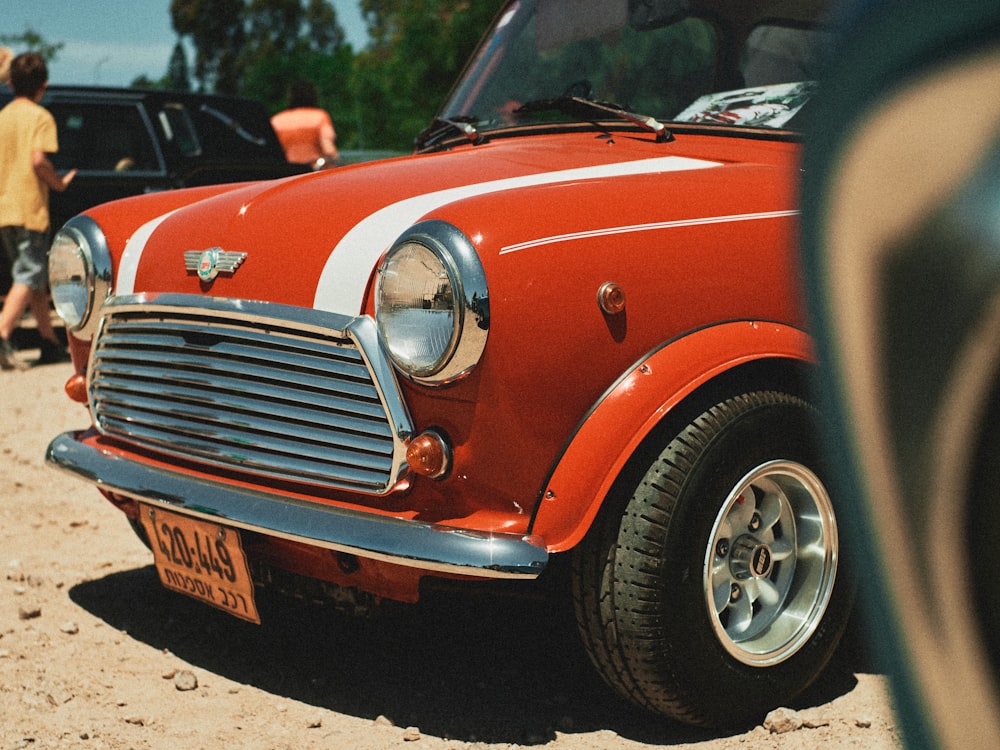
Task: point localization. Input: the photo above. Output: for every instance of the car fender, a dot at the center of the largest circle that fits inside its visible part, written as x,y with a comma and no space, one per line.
627,413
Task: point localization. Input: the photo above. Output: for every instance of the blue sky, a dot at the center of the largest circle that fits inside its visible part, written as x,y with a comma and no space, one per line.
112,42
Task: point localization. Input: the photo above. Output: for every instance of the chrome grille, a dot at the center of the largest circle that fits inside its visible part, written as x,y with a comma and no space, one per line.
281,393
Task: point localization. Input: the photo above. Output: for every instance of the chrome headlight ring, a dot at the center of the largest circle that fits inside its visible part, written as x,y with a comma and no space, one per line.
80,274
432,304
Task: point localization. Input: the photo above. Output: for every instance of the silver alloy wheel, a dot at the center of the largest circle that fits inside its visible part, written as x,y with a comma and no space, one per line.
771,562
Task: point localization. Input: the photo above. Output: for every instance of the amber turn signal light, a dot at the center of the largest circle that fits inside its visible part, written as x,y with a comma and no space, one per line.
429,455
76,388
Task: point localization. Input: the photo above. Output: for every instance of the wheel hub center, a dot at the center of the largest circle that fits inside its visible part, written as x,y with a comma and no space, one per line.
751,559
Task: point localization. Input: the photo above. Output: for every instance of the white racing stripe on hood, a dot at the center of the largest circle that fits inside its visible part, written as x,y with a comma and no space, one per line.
125,278
342,284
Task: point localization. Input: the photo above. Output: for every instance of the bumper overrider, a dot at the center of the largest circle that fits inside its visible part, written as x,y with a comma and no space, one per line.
277,393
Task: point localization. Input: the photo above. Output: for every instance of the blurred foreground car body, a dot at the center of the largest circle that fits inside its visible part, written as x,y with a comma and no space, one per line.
570,327
902,241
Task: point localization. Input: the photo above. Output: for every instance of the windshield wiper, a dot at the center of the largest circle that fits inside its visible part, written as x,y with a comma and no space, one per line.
577,106
442,126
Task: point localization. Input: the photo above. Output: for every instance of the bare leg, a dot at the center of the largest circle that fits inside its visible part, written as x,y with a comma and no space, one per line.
14,305
40,310
17,301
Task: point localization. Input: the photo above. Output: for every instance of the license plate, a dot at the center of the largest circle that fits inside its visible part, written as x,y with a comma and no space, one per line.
201,559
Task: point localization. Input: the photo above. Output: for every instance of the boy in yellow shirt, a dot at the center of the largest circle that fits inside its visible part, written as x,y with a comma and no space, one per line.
27,136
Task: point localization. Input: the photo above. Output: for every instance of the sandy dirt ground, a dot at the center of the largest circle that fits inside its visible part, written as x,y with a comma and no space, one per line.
95,654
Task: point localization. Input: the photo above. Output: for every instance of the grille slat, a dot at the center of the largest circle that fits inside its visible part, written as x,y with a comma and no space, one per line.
242,427
230,392
328,360
297,467
278,399
180,366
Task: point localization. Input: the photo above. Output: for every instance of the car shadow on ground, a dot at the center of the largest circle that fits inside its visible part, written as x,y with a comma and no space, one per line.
506,669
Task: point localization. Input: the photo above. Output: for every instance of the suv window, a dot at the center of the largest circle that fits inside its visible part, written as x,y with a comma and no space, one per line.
103,137
178,128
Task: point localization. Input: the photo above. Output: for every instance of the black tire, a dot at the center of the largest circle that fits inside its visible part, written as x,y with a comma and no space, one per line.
648,579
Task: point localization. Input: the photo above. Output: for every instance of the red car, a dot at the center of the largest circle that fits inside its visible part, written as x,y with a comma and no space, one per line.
569,328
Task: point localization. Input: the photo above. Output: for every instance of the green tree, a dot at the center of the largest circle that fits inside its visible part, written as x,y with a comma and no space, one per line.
178,73
217,31
418,48
289,40
263,40
379,97
256,48
32,41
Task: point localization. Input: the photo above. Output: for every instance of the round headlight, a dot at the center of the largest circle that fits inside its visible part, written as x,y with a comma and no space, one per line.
431,303
79,272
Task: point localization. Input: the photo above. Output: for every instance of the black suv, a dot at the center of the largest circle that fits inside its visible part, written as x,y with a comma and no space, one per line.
131,141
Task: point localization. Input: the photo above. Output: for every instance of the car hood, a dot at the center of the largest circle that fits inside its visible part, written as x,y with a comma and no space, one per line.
314,240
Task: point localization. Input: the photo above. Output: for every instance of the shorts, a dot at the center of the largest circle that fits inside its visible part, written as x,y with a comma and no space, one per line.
28,252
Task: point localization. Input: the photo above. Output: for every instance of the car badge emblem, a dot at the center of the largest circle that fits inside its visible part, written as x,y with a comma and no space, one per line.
211,262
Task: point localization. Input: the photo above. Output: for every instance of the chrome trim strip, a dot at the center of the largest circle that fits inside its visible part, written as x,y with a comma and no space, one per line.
472,298
631,228
431,547
88,236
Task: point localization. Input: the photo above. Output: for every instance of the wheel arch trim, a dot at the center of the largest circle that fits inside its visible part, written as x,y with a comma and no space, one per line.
630,410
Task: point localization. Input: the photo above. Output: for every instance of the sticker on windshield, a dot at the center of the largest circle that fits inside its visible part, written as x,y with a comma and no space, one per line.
758,106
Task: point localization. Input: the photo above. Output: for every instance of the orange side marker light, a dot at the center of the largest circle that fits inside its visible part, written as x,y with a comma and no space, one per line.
429,455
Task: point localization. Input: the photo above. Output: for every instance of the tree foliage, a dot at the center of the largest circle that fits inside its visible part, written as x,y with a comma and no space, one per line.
289,40
257,48
217,31
418,48
31,41
178,73
379,97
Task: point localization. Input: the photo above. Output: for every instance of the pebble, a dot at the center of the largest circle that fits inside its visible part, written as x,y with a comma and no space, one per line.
782,720
185,680
411,734
29,612
814,723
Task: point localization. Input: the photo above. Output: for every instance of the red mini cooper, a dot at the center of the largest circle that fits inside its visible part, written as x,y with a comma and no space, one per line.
569,326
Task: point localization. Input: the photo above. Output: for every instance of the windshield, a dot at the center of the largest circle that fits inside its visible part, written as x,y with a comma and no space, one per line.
688,61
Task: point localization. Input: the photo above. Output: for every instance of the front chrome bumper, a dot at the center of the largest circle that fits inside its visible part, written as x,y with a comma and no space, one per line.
427,546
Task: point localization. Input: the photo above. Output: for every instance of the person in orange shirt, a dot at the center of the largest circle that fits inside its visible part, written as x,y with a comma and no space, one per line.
306,131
